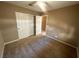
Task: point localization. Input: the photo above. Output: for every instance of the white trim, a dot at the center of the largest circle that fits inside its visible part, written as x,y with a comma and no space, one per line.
11,41
15,40
62,42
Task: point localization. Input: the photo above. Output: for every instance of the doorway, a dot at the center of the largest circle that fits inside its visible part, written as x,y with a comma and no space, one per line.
41,24
44,22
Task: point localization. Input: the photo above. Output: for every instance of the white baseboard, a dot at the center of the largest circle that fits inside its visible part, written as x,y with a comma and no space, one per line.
11,41
47,36
15,40
62,42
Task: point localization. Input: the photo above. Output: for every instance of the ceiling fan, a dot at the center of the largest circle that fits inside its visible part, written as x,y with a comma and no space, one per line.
32,3
43,5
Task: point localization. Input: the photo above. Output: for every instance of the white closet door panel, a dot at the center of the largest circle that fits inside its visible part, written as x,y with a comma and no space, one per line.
24,25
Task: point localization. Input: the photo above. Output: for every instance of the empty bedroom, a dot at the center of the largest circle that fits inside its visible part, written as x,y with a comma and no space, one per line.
39,29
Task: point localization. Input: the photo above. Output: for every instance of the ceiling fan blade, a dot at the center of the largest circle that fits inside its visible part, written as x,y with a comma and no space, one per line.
48,4
32,3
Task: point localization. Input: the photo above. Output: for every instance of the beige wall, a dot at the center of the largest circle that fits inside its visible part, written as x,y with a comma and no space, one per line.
66,19
78,51
8,20
1,45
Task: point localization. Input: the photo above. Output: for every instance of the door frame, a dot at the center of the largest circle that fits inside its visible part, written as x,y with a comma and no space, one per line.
46,24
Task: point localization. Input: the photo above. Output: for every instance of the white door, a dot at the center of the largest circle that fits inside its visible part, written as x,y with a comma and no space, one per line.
24,25
38,24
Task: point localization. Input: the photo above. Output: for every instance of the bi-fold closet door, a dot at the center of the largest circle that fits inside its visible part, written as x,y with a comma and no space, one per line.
25,24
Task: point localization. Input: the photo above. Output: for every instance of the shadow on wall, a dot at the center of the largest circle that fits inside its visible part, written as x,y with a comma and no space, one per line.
66,20
66,33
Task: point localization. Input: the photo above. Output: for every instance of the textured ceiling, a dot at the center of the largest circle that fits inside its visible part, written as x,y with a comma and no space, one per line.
50,5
